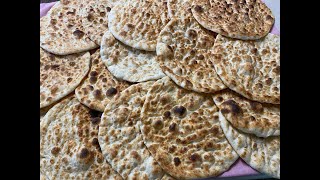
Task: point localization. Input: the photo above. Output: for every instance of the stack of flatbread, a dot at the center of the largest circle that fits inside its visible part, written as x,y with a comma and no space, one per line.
158,89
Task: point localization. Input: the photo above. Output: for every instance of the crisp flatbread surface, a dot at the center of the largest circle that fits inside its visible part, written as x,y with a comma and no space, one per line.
100,86
138,23
250,68
120,137
127,63
252,117
263,154
184,49
94,18
241,19
60,75
69,147
61,31
182,132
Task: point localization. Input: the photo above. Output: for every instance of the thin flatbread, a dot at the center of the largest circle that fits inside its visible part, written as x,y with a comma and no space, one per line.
182,132
100,86
241,19
61,31
60,75
138,23
262,154
251,117
94,18
120,138
127,63
250,68
69,147
184,50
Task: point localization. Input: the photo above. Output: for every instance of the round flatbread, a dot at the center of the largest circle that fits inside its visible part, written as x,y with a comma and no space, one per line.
251,68
61,32
60,75
127,63
100,86
69,147
94,18
182,132
252,117
120,137
241,19
138,23
184,50
263,154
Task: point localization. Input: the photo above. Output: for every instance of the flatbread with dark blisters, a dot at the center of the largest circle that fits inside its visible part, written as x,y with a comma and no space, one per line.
263,154
182,132
120,137
60,75
100,86
69,147
251,68
241,19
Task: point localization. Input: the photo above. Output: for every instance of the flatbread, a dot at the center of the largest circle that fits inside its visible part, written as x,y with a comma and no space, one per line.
241,19
262,154
179,8
100,86
120,137
252,117
167,177
182,132
94,18
60,75
127,63
184,50
69,148
251,68
138,23
61,32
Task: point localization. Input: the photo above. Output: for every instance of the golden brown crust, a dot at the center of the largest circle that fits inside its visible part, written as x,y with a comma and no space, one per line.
263,154
100,86
181,130
69,148
120,137
138,23
60,75
184,50
61,31
252,117
241,19
251,68
94,18
128,63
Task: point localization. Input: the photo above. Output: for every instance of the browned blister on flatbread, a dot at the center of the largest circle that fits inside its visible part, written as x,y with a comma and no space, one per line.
100,86
69,147
138,23
251,68
127,63
241,19
60,75
61,31
120,137
263,154
183,52
181,130
252,117
94,18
